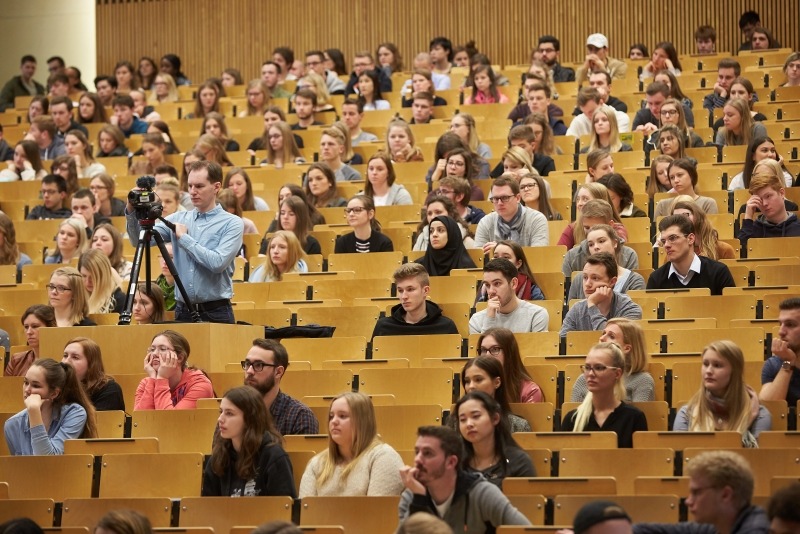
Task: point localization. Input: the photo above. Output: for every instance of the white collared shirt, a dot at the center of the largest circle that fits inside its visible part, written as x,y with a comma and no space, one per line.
693,268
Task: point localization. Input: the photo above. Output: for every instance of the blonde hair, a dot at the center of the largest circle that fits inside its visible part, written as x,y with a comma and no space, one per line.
294,254
101,299
365,437
172,89
614,143
261,86
632,333
320,88
518,156
472,139
746,124
598,192
79,225
736,397
584,411
766,173
348,153
412,151
79,304
211,143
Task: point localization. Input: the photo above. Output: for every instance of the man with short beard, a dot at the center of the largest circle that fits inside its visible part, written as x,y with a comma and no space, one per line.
264,366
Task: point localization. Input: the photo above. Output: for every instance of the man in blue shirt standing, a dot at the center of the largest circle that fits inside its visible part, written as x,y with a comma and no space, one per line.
205,243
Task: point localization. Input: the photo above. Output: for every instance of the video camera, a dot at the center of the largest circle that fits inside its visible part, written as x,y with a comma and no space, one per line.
144,200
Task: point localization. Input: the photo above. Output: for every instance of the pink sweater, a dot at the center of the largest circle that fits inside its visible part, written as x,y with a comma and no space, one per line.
154,393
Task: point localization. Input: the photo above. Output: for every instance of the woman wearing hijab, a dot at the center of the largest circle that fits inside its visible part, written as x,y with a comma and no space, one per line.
446,250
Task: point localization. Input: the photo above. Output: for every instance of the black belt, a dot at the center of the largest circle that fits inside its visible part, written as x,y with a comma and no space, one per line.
212,305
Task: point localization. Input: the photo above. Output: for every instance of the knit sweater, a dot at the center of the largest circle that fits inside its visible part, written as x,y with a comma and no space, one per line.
377,472
713,275
585,318
534,229
526,317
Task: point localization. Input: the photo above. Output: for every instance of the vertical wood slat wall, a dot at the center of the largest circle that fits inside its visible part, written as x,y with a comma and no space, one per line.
210,35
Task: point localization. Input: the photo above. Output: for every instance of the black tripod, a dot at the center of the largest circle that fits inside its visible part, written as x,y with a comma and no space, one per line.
143,249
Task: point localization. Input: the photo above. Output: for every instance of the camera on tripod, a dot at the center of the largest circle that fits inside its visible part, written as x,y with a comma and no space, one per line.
144,200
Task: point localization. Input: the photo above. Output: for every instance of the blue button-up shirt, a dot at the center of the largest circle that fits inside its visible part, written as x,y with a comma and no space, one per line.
22,440
204,256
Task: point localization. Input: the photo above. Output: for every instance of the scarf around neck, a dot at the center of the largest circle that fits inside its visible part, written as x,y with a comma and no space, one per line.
511,230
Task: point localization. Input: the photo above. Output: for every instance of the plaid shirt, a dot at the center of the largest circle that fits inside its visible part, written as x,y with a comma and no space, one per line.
292,416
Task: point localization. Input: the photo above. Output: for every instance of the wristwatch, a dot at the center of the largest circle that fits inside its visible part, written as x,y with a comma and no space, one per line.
787,366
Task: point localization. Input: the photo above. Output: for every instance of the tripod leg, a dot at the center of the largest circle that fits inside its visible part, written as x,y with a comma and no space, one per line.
142,249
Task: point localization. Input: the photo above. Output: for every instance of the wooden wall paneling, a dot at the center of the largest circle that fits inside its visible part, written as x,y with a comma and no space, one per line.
209,35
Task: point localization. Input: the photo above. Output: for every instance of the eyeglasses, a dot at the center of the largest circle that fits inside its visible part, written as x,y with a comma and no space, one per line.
455,163
58,289
445,191
669,112
671,239
596,369
47,192
355,210
546,50
526,187
495,350
694,492
503,199
257,366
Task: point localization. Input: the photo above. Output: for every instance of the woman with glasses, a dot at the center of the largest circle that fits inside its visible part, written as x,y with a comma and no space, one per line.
672,112
258,98
489,447
170,384
247,459
629,336
68,297
536,194
500,343
357,461
724,401
366,235
34,318
103,187
603,408
485,373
